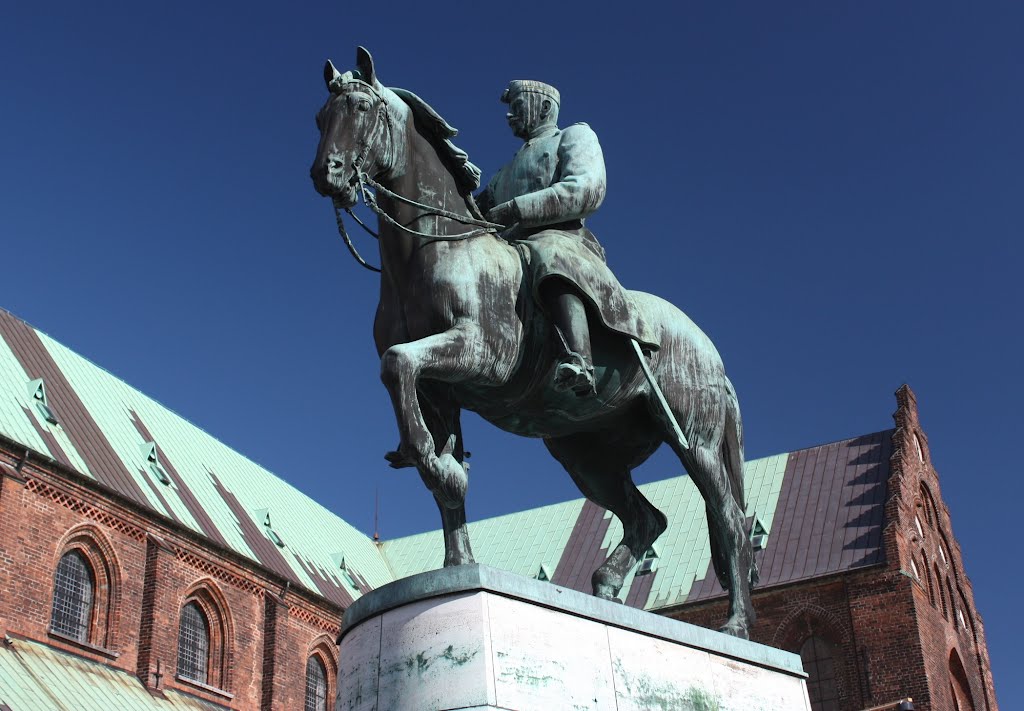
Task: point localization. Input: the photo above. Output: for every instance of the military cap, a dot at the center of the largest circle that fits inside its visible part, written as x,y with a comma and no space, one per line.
518,86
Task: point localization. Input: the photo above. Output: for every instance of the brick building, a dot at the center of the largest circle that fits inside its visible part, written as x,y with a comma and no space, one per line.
143,564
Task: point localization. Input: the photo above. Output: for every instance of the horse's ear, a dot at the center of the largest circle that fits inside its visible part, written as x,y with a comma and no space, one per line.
331,73
364,63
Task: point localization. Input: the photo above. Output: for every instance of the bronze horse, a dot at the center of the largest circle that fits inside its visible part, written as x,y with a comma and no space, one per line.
457,327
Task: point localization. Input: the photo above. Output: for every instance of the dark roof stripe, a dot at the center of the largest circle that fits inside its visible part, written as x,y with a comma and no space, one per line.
331,589
160,497
583,548
640,590
266,552
199,514
86,436
51,442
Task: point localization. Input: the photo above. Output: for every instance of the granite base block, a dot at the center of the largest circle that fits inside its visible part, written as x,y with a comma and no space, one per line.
474,637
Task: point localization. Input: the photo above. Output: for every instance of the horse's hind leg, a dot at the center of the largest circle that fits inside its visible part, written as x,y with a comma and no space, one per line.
600,466
730,546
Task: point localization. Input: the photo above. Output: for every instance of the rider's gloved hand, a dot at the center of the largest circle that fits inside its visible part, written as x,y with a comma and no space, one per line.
507,213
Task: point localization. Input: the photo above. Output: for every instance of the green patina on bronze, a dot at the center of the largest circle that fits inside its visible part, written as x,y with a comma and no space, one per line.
528,327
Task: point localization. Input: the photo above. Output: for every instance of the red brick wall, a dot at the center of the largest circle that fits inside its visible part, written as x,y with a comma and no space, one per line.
146,570
892,640
926,534
860,614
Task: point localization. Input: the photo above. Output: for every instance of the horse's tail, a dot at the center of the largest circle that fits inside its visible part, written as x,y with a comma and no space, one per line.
733,450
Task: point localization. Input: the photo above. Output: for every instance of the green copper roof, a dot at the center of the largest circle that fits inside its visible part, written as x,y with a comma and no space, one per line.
684,551
34,677
108,429
104,433
521,542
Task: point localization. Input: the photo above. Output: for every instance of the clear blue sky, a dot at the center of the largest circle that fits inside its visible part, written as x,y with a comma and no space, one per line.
833,191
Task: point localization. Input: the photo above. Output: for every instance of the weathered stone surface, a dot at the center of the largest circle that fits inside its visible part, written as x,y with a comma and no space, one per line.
360,668
548,659
433,655
475,637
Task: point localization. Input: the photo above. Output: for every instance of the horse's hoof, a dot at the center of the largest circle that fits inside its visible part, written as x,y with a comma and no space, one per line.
397,460
735,629
458,560
606,584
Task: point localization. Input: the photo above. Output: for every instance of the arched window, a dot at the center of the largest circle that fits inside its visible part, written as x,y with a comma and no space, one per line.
193,644
942,594
316,685
73,587
959,687
928,577
953,609
929,505
819,662
206,637
964,616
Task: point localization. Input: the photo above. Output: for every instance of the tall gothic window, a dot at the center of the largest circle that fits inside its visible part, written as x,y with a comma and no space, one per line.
819,663
941,593
959,687
72,597
316,685
193,644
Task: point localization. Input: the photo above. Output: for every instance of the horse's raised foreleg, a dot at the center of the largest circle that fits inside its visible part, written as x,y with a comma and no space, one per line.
441,414
600,465
425,440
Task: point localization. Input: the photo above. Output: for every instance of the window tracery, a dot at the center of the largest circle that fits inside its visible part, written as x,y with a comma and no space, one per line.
204,637
316,684
86,589
193,644
73,586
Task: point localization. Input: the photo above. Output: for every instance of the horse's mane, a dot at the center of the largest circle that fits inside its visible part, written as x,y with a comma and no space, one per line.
439,132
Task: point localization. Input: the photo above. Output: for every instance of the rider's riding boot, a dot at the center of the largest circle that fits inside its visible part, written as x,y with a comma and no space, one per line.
576,370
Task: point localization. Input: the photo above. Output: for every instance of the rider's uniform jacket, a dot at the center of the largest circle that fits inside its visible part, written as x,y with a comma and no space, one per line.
554,178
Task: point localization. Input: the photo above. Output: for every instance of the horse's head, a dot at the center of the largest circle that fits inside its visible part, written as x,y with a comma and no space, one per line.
355,131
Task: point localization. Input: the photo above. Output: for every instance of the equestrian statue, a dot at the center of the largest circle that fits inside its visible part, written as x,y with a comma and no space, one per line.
502,304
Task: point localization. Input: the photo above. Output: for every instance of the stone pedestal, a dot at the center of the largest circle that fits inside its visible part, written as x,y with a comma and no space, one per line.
474,637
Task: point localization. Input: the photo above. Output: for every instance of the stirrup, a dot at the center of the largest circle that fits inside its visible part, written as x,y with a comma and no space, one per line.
574,373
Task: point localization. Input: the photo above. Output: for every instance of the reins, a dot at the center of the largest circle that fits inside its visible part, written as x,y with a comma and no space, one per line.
370,200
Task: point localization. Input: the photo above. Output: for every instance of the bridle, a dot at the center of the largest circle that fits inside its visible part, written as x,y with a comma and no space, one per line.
366,183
